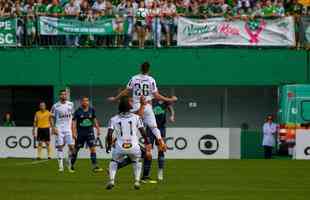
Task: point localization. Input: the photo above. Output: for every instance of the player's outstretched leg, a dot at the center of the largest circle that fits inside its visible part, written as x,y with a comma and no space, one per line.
112,174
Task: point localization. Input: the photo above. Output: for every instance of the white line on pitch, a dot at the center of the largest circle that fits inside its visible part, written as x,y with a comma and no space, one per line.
32,163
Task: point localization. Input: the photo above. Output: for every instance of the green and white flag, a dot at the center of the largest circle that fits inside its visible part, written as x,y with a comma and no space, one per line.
8,32
57,26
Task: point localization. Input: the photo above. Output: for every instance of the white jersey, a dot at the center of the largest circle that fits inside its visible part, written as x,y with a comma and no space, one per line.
63,113
126,128
142,85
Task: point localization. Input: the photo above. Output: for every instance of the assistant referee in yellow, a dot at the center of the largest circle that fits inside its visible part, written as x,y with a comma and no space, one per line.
41,129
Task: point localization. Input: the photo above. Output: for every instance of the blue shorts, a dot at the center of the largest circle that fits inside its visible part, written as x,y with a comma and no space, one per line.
83,138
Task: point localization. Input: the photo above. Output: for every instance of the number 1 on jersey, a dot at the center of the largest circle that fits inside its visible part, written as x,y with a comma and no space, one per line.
121,129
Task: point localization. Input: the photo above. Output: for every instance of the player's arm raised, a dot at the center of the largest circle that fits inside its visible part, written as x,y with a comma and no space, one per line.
124,92
160,97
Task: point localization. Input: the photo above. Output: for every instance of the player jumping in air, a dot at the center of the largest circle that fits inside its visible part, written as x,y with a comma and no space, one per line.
126,126
84,122
62,112
145,85
160,109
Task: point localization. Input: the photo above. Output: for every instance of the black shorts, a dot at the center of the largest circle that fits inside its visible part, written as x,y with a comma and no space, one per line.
43,135
89,139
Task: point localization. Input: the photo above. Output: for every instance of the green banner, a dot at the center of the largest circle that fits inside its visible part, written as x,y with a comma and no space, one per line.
58,26
8,32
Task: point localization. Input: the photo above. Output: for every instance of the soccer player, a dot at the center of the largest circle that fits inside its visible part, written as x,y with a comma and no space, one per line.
126,126
160,109
62,112
145,85
84,122
41,129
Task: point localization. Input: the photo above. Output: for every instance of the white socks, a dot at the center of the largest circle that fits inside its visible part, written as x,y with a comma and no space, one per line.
60,155
112,171
70,153
137,168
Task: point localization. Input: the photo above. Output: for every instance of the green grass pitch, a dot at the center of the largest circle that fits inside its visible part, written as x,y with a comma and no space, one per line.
184,179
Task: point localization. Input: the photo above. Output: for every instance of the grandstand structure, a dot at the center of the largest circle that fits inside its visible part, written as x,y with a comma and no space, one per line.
225,75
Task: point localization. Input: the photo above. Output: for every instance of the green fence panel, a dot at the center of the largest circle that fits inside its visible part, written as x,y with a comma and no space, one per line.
251,145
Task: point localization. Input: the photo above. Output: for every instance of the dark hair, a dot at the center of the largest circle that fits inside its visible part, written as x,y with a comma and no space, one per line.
61,91
123,105
145,67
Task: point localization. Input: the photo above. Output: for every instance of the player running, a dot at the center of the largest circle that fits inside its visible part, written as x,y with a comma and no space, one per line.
145,85
126,126
84,122
62,112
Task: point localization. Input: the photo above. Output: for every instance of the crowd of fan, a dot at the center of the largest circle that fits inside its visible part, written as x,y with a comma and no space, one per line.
146,19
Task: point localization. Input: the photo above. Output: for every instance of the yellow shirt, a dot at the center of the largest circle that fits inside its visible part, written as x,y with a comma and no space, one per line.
43,119
304,2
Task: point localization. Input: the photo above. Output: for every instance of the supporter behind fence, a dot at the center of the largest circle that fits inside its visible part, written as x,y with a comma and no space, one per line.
126,22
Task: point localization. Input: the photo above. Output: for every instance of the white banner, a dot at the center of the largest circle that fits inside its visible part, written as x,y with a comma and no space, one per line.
302,147
183,143
261,32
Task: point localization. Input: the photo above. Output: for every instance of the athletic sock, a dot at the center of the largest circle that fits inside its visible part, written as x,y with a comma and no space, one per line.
112,170
60,155
74,156
124,163
70,156
137,168
161,160
93,158
147,167
40,151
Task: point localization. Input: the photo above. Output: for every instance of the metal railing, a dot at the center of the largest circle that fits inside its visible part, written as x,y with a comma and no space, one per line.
157,32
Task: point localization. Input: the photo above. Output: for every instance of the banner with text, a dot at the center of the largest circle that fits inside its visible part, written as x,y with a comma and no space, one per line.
218,31
305,31
183,143
302,148
58,26
8,32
